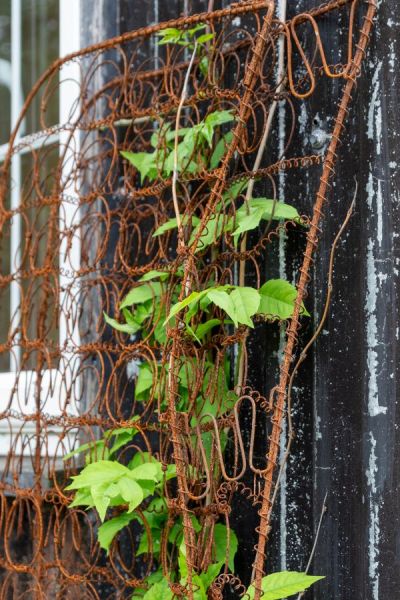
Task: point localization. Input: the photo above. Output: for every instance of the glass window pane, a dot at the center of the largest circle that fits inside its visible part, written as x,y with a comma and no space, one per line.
40,47
5,69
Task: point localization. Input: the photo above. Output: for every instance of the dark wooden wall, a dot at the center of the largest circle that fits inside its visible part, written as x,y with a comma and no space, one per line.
346,402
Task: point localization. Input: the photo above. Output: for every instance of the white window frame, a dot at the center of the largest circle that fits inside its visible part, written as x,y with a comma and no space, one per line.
14,432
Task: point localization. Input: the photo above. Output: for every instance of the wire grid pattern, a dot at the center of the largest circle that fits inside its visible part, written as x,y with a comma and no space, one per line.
78,193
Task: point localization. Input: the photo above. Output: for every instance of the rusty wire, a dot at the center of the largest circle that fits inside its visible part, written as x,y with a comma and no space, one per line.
71,389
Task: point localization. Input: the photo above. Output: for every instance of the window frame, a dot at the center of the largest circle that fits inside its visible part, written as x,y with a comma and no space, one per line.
53,383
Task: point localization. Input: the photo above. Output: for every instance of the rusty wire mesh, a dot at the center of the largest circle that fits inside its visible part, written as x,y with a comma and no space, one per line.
75,378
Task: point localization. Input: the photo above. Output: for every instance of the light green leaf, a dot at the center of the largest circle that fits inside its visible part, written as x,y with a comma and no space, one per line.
219,117
100,500
206,37
193,298
220,150
246,221
144,381
275,209
159,591
83,497
150,471
278,299
123,327
280,585
221,542
102,471
211,232
224,301
141,294
173,224
96,446
162,275
144,162
131,492
108,530
246,301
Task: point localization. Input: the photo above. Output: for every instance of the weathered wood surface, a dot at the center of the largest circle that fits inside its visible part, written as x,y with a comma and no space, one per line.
346,402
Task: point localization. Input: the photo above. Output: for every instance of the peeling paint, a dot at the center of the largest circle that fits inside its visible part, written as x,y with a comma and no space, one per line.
374,526
374,408
374,129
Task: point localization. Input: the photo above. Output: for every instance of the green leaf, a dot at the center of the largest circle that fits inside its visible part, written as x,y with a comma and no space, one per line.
280,585
162,275
131,492
173,224
108,530
123,327
159,591
102,471
144,381
213,230
148,471
193,298
221,543
246,301
278,299
201,330
141,294
100,500
212,572
246,221
235,190
93,446
206,37
224,301
83,497
220,150
144,162
274,209
219,117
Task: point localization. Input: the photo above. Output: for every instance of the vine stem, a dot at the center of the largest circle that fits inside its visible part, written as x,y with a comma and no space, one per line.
310,343
312,553
172,385
291,333
176,142
261,149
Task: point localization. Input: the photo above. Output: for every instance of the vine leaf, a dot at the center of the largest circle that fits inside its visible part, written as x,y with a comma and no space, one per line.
201,330
130,327
144,381
255,210
280,585
221,544
278,300
161,275
224,301
131,492
144,162
142,293
246,301
173,224
159,591
108,530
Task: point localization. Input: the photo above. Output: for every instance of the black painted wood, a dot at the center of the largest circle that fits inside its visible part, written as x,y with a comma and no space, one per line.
346,401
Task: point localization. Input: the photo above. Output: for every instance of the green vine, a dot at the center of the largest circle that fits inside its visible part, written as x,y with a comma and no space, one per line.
125,488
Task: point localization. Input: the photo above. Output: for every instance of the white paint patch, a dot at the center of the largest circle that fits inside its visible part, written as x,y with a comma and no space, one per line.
374,129
374,526
374,408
